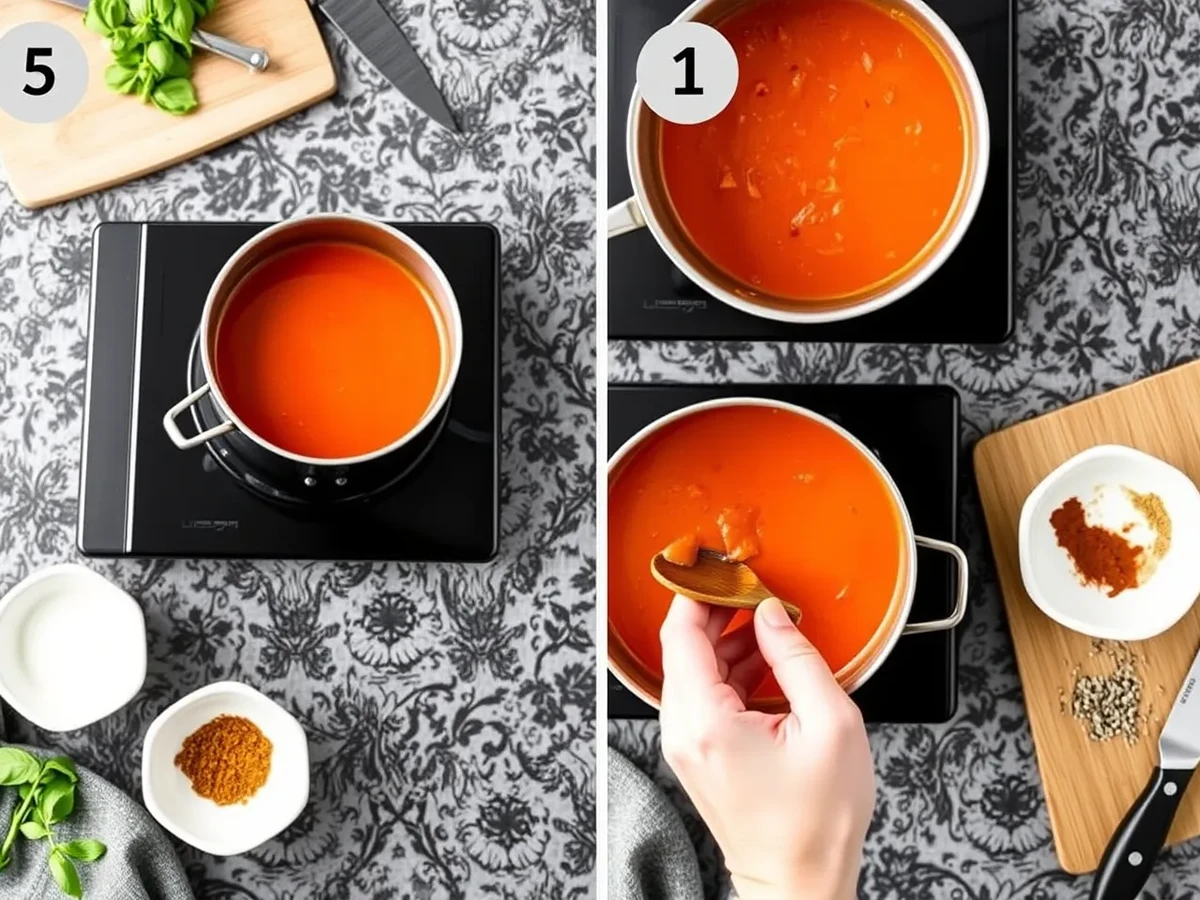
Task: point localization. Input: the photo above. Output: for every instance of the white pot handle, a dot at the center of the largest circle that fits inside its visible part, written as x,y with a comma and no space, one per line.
960,593
177,436
625,216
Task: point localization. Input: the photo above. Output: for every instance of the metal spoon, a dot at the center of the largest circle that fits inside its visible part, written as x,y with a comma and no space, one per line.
717,580
254,57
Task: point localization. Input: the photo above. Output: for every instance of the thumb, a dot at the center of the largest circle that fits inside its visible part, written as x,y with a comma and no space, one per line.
801,672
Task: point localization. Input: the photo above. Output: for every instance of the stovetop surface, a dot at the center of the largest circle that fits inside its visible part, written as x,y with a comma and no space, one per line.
914,432
141,496
969,300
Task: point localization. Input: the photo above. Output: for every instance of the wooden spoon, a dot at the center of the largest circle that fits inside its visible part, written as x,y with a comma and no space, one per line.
717,580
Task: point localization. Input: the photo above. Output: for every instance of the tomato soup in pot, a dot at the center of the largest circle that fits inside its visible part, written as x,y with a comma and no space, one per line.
820,522
840,161
329,349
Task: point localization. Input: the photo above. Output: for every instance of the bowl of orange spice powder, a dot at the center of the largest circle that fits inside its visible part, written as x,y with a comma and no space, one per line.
1107,544
225,769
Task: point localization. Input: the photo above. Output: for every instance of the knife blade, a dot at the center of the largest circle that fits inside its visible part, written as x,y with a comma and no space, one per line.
1142,834
367,25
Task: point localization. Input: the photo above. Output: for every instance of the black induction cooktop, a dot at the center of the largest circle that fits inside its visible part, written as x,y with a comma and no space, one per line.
914,432
141,496
969,300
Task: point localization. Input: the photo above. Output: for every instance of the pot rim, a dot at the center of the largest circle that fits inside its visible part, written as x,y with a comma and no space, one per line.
452,323
977,171
862,672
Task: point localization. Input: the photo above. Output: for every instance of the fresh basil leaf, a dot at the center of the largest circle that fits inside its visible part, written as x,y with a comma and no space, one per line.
34,831
18,767
94,20
121,79
62,765
160,55
162,9
117,12
88,851
176,96
143,32
121,40
141,10
105,16
57,801
109,13
178,26
180,68
65,875
130,59
146,82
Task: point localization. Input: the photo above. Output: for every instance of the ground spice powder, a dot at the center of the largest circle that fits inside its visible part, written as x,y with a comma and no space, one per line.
1100,556
227,760
1152,507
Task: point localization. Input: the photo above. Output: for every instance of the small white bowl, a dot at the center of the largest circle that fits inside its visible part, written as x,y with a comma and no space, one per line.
1049,575
72,648
239,827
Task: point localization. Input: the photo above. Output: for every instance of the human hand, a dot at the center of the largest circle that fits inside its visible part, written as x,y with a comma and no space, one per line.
787,796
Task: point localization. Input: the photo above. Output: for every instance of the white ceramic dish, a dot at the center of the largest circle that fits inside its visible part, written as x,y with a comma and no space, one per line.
1049,575
64,627
239,827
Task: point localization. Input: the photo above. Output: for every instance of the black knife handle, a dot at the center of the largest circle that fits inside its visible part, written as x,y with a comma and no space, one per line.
1140,837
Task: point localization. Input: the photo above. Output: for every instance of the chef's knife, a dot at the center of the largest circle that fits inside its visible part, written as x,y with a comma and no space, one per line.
254,57
366,24
1143,832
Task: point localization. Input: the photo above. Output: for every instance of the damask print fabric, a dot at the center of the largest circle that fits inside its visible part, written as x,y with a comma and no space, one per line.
450,709
1108,211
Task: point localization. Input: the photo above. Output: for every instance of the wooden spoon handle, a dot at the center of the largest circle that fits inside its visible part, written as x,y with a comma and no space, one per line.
793,611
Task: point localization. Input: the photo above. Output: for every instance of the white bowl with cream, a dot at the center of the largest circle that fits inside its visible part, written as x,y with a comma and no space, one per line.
239,827
72,648
1099,477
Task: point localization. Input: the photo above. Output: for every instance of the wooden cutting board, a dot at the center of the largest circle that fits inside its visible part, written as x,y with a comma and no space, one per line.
1090,785
110,138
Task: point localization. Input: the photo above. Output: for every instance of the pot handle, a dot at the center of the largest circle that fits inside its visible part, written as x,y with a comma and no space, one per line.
625,216
960,591
177,436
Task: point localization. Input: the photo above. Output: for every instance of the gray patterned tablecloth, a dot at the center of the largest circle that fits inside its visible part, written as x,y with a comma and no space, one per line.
450,708
1108,221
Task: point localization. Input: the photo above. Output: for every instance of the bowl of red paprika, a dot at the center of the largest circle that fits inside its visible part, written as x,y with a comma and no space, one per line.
1107,544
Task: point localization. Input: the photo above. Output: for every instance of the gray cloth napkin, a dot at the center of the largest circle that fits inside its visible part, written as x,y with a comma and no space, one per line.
140,863
650,856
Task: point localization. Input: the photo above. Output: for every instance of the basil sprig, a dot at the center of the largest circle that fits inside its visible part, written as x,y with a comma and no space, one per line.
151,45
46,796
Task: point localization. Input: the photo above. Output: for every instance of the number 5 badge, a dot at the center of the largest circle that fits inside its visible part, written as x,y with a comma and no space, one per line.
43,72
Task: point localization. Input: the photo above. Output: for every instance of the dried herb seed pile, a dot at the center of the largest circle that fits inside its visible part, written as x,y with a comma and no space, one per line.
1109,704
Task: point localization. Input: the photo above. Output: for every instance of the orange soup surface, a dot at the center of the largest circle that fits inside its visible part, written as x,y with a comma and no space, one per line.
329,350
827,532
836,162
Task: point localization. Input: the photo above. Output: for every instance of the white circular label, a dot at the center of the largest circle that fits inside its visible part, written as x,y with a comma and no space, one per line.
687,72
43,72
